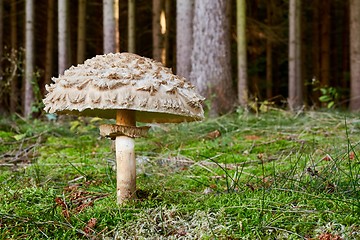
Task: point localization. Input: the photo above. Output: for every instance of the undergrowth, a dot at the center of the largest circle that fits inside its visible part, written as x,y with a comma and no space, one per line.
239,176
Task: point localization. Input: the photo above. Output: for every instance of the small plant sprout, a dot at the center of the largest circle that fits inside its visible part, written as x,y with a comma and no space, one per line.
130,89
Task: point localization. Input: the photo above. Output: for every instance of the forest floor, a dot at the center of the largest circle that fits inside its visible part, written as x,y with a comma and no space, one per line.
274,175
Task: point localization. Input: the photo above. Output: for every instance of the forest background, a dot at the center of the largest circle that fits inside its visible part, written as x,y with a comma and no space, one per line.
288,53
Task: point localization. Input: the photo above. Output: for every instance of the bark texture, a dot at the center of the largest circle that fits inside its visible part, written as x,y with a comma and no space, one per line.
49,42
63,34
156,30
80,56
241,54
29,57
14,81
355,55
131,26
184,38
295,99
211,69
111,29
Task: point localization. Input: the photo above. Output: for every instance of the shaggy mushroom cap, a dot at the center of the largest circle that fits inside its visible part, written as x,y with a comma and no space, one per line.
107,83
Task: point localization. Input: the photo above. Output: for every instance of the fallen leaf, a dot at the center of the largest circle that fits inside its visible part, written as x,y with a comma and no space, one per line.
90,225
329,236
64,209
214,134
351,155
327,158
252,137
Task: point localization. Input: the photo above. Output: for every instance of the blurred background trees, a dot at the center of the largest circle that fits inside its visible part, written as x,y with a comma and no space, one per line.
238,52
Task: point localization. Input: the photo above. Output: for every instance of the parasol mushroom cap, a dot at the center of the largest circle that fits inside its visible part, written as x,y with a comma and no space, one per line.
107,83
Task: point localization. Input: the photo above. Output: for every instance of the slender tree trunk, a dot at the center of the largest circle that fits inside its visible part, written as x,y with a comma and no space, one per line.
184,36
325,43
269,63
63,34
29,57
295,99
156,29
2,106
1,38
355,55
345,48
241,52
81,34
13,38
49,42
131,26
211,68
111,29
117,32
167,34
316,50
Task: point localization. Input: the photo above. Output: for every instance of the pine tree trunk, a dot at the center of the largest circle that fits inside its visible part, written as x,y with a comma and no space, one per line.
116,19
295,99
29,57
1,37
49,42
269,65
355,55
316,50
325,43
211,68
131,26
81,34
13,38
63,34
111,27
242,53
2,106
156,30
184,36
168,17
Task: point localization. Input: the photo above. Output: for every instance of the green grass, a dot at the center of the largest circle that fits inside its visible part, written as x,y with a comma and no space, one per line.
269,176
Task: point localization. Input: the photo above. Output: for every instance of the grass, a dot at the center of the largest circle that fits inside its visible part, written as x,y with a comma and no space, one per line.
239,176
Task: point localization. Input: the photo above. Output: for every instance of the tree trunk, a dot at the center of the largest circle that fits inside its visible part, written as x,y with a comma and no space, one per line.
131,26
355,55
295,99
116,19
1,38
13,38
184,36
325,43
211,68
156,30
167,33
29,57
63,34
316,50
2,105
81,34
345,48
241,52
111,29
269,65
49,42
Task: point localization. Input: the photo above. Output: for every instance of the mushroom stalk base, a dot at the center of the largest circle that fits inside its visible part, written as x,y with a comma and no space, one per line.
125,168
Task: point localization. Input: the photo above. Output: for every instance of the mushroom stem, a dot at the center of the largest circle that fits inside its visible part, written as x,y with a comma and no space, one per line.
125,158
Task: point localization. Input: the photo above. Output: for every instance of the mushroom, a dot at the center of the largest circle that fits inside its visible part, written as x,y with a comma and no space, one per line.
131,89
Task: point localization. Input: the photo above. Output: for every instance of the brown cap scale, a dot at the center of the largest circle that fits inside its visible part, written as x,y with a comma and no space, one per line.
130,89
